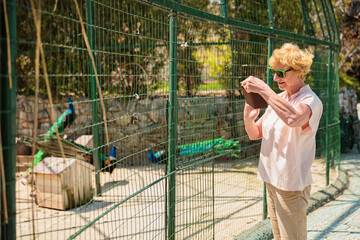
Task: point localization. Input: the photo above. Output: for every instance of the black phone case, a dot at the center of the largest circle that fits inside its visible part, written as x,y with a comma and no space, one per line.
254,99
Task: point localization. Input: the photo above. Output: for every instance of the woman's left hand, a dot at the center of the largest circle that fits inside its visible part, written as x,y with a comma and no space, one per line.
253,84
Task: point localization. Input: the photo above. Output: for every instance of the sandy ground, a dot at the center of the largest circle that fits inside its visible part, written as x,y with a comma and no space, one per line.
236,206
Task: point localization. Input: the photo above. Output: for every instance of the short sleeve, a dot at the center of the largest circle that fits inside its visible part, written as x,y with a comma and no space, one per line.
316,108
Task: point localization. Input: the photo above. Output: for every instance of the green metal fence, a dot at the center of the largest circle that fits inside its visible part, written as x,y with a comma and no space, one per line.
148,75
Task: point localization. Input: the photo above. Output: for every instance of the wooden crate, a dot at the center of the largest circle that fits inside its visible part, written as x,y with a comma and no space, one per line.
85,140
63,183
23,162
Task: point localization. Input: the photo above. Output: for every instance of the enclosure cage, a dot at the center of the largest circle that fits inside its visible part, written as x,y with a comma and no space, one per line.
147,92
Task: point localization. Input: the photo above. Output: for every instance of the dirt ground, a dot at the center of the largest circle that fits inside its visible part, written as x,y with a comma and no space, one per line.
236,205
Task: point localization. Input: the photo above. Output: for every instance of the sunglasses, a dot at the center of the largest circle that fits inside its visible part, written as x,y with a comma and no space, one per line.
279,73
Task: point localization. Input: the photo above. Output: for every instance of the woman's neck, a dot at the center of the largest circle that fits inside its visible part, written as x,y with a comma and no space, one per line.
295,89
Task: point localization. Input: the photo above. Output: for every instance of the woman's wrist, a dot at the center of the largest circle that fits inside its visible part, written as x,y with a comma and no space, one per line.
266,92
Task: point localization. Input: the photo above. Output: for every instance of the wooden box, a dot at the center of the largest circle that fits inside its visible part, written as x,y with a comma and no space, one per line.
23,162
63,183
85,140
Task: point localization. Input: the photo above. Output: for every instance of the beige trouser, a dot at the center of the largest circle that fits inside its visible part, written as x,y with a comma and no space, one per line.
287,211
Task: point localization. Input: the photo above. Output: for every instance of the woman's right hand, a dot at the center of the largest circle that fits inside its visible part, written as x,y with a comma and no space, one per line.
250,113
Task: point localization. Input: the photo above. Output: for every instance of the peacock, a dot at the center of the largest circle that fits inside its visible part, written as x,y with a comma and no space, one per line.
219,145
73,150
65,120
49,145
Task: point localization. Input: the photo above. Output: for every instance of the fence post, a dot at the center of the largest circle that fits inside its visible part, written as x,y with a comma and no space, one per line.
329,20
8,118
336,26
305,16
223,8
318,16
233,98
327,159
94,103
326,22
327,116
213,166
172,123
270,83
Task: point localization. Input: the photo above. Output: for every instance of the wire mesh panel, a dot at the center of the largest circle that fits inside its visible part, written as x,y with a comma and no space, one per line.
227,57
194,180
254,11
128,42
133,119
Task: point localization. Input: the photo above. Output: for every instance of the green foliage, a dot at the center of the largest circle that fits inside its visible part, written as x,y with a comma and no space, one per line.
158,87
210,86
130,47
249,11
349,81
125,60
218,60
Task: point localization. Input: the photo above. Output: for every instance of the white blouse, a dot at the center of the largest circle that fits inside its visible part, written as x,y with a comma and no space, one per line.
287,153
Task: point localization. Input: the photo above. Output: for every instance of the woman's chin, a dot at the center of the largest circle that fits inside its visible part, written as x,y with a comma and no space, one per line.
281,86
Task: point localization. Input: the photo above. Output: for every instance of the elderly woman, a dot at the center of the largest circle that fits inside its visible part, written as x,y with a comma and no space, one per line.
287,129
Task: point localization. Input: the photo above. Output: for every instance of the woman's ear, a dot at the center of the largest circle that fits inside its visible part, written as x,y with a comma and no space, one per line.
301,77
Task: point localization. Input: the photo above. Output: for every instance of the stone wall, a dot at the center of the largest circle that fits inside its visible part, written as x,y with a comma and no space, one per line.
347,101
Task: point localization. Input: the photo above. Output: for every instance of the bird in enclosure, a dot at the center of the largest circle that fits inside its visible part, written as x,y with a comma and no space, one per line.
110,163
69,114
219,145
159,157
65,120
73,150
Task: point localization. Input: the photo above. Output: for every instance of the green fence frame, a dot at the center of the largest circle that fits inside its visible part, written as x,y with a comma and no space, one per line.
7,118
330,41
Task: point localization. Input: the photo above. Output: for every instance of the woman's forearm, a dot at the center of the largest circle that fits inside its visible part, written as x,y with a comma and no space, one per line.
287,113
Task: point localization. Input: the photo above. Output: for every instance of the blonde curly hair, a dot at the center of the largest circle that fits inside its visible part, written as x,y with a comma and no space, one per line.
293,57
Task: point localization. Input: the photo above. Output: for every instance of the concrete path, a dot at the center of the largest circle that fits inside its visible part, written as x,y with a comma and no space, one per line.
340,219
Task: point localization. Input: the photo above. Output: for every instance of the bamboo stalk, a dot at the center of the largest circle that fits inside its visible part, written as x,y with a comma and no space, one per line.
2,169
95,71
8,43
37,72
55,6
38,40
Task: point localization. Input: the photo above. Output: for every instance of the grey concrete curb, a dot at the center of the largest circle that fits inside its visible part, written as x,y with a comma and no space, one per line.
262,230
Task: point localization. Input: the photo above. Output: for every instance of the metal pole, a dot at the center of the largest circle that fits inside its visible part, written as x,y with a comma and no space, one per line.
337,137
316,70
304,4
223,8
328,93
318,15
166,172
94,95
327,116
304,12
336,26
213,165
8,118
233,98
270,83
172,123
326,21
330,19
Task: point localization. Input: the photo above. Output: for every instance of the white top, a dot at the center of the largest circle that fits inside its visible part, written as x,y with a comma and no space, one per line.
287,153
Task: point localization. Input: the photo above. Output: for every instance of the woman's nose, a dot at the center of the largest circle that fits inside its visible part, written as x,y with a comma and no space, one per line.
276,77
